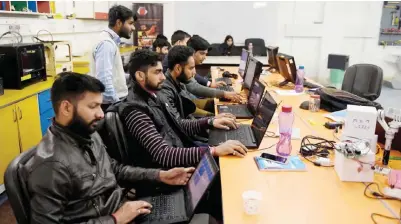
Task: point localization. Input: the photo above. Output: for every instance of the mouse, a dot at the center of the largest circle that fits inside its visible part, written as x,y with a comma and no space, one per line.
227,74
304,105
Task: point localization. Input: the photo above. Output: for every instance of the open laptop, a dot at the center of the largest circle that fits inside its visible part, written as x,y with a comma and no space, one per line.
252,72
243,62
249,135
246,111
179,206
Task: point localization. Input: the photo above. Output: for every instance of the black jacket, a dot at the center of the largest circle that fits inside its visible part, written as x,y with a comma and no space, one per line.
73,180
177,96
163,117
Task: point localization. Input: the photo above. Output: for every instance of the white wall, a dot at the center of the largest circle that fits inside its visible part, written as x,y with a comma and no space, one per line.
308,30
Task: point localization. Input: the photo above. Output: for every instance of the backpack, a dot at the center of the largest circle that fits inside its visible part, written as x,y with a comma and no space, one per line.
335,100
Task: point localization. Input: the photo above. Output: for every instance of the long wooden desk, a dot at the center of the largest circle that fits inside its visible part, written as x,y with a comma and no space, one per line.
229,60
315,196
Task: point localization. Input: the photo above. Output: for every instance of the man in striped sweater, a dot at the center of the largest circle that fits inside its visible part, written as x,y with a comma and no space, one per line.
159,138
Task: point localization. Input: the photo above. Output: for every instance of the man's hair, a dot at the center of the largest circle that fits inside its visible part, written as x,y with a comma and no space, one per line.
160,43
141,59
161,36
178,55
198,43
179,35
120,12
70,86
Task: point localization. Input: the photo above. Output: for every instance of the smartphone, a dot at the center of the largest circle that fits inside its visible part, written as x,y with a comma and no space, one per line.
274,158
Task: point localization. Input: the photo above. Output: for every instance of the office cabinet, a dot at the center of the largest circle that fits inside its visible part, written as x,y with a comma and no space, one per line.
9,138
19,130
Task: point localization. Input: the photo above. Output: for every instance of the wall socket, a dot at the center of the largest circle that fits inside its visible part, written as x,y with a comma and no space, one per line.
14,28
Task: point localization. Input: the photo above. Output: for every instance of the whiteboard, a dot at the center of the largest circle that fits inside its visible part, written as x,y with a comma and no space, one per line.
215,20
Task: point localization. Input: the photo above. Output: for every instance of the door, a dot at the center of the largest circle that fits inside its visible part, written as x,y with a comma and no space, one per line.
9,142
29,122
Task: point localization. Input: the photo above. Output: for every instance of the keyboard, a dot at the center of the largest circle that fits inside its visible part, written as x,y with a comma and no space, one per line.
162,206
226,88
242,134
224,79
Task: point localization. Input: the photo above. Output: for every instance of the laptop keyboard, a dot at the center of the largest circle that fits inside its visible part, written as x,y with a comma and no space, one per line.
226,88
224,79
241,134
163,207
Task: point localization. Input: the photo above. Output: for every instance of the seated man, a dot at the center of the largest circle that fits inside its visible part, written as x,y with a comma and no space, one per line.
161,46
158,137
71,178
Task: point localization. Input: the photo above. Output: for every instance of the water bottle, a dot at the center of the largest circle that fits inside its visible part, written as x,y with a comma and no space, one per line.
250,48
285,119
299,83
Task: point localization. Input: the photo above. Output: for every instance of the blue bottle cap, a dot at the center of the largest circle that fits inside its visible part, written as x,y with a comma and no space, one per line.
301,67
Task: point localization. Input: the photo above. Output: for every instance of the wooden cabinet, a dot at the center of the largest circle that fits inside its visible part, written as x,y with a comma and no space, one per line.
19,130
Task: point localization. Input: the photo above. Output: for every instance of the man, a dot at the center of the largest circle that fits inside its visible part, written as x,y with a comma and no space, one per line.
201,48
71,178
105,61
161,46
157,136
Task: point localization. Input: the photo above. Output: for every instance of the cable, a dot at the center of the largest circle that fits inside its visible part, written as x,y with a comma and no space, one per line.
37,35
270,134
312,146
13,33
262,148
372,216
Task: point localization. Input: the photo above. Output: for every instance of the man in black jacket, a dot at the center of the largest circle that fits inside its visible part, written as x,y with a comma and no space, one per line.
71,178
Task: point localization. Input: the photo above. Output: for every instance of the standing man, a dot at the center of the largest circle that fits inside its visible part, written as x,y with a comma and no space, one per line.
105,61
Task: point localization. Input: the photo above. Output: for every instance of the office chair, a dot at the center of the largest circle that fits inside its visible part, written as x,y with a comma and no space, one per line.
214,51
364,80
259,47
16,188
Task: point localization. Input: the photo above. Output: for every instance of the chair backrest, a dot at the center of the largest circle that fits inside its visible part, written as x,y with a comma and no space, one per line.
215,50
364,80
259,47
16,187
113,136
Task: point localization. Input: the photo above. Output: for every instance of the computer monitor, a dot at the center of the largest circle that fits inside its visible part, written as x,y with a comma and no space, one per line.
287,67
243,62
253,70
272,54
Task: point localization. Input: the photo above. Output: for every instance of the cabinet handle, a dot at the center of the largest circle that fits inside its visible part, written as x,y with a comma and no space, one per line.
20,113
14,115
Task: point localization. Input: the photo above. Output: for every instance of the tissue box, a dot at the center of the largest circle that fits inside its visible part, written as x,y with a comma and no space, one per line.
347,169
360,122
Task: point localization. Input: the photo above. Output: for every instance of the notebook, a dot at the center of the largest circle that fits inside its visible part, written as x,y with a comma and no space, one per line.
294,164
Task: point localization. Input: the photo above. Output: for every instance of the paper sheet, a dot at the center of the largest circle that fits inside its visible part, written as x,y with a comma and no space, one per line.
288,92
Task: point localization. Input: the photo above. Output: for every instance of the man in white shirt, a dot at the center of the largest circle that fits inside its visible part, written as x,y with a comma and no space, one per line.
105,61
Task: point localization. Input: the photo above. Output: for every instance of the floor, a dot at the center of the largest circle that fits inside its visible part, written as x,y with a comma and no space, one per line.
390,97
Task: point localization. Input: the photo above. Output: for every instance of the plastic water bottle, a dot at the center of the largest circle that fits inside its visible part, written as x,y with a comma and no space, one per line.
299,83
285,119
250,48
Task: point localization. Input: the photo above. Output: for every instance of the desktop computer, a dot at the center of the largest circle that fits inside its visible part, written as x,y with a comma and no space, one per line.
272,54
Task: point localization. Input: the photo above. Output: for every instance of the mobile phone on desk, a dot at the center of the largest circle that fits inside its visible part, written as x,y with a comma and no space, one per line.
274,158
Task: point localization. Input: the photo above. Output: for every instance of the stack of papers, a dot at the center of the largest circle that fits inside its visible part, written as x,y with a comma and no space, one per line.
338,116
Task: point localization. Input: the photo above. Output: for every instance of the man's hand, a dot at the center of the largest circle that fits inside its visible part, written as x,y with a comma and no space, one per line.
225,123
217,84
226,115
231,147
233,96
176,176
130,210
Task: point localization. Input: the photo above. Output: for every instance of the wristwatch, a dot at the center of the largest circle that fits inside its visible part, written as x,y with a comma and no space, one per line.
210,122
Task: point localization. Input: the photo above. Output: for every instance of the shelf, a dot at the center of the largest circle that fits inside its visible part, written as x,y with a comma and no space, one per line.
24,13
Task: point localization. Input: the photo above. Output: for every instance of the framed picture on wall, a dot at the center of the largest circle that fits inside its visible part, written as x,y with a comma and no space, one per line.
149,23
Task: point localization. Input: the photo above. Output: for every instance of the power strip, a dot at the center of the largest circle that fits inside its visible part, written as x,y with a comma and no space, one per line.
392,192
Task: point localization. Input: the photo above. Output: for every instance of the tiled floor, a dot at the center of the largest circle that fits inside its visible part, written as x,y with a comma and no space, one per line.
390,97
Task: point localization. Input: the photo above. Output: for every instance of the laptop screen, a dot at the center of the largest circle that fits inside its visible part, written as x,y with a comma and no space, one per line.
263,117
255,96
200,180
250,72
243,61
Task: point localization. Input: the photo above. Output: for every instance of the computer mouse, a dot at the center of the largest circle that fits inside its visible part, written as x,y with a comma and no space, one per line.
227,74
304,105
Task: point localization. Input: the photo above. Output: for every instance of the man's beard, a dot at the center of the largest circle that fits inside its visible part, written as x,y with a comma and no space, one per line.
125,34
153,88
80,127
183,78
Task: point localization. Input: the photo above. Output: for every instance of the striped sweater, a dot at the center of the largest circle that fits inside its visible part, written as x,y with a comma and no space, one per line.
143,130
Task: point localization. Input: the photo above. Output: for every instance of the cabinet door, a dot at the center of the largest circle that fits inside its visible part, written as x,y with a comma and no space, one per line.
9,141
29,122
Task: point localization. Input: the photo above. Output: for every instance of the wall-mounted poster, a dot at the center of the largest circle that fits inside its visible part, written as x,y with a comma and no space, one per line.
149,23
390,26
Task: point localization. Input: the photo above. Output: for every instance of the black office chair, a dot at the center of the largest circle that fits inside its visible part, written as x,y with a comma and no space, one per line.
259,47
215,50
16,188
364,80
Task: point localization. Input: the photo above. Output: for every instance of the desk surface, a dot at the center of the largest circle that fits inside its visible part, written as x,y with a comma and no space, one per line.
315,196
229,60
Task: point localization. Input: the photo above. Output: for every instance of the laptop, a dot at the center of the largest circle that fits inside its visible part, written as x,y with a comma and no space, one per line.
249,135
243,62
252,72
246,111
179,206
